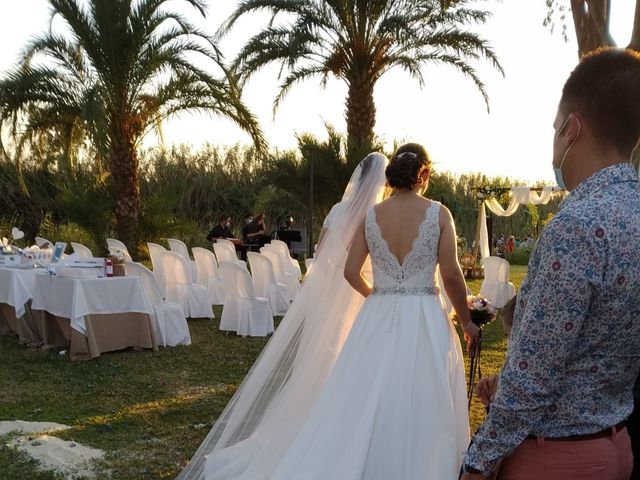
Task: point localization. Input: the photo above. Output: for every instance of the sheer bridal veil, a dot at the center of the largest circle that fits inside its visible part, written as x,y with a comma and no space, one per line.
270,406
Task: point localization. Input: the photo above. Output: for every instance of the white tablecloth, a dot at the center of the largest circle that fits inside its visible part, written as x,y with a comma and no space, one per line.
73,298
16,288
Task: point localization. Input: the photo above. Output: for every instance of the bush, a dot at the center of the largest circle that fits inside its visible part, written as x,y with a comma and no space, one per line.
520,256
72,232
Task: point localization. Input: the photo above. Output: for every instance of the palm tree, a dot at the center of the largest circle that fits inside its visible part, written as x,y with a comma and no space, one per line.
358,41
114,73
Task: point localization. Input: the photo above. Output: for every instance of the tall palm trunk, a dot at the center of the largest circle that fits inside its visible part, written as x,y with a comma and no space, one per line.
635,35
124,169
591,21
361,118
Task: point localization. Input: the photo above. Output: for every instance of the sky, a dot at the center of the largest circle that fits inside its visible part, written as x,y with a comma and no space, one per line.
448,115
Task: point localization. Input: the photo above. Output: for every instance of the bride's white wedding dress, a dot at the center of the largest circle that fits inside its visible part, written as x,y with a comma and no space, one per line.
394,406
267,411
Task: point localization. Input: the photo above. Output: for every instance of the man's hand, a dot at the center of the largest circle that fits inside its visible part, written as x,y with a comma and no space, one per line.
486,389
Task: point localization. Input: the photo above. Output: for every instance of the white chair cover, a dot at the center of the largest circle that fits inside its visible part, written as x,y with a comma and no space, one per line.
243,312
169,321
43,242
265,284
116,245
181,249
224,253
292,265
81,251
226,242
496,286
279,268
209,275
179,288
155,252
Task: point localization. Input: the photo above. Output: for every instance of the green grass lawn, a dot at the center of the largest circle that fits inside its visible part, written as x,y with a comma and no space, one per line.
148,410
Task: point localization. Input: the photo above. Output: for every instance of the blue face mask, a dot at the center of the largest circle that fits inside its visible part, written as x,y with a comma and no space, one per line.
558,170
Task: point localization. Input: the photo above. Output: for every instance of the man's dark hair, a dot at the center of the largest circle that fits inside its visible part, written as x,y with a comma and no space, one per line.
605,90
223,218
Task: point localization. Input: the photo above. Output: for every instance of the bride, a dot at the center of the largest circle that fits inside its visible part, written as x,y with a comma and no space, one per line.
394,406
271,405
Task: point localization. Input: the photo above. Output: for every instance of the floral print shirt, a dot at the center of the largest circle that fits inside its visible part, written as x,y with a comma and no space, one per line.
574,351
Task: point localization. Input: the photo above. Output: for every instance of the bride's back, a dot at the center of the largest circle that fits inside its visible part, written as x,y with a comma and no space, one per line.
399,219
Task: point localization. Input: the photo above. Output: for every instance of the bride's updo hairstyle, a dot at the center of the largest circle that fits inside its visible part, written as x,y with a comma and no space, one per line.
406,166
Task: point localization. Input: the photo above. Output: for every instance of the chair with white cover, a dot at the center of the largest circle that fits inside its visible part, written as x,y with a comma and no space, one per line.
265,284
209,274
243,312
292,265
44,243
181,249
282,276
180,288
226,242
116,245
155,252
226,254
81,251
496,286
169,321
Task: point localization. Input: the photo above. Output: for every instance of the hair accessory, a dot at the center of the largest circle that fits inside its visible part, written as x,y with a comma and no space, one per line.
407,154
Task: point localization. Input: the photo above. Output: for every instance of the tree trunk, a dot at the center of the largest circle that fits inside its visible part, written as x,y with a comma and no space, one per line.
124,169
635,36
361,118
591,21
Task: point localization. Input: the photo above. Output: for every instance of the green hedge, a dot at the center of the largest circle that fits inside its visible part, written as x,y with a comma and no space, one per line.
519,257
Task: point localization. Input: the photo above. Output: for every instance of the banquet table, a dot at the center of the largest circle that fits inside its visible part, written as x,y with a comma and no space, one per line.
16,292
92,315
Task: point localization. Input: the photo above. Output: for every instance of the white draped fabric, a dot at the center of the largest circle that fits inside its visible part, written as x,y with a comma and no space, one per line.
75,298
525,195
497,209
518,196
16,288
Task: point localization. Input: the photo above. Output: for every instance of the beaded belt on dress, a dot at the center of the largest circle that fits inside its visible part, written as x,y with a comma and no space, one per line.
418,291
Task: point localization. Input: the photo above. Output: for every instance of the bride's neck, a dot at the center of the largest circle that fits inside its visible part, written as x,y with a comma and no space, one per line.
407,193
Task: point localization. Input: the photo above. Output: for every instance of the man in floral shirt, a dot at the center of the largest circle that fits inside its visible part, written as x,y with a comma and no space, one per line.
574,351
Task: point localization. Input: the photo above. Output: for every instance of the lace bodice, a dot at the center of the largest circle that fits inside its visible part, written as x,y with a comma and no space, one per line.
416,276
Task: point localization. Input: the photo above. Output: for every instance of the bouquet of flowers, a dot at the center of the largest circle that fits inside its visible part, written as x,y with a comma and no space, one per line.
482,311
